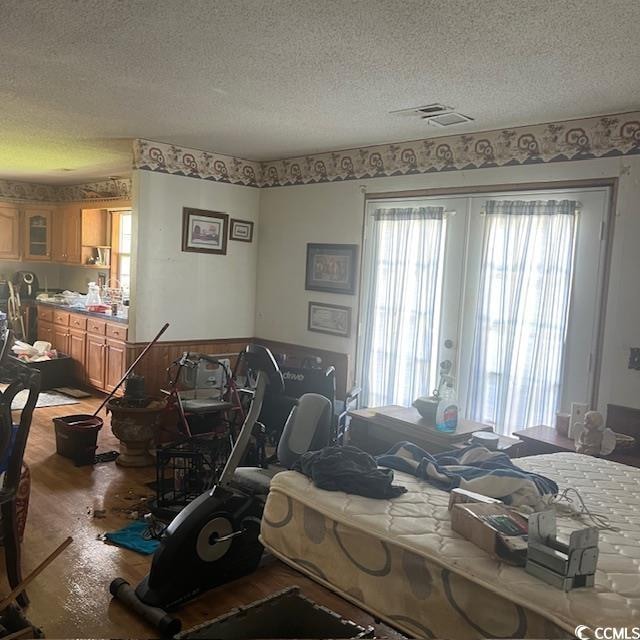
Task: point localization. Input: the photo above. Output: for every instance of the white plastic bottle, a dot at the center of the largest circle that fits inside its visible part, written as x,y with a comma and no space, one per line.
447,410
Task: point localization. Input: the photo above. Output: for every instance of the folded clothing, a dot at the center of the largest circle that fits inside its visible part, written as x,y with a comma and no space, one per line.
132,537
348,469
475,468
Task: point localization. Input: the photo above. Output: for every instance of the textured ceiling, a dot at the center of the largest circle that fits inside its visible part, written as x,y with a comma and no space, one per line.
265,79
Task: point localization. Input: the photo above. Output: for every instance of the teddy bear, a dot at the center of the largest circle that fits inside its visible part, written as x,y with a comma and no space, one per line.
592,437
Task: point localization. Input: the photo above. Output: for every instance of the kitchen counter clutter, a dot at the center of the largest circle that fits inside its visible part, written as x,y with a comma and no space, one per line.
84,312
96,342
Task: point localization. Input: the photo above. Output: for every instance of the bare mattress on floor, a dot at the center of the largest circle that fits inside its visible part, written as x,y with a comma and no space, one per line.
400,560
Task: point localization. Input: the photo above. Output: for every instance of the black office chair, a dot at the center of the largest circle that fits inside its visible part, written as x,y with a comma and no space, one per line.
13,441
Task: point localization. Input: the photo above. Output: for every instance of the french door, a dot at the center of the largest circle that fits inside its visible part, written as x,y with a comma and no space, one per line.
513,303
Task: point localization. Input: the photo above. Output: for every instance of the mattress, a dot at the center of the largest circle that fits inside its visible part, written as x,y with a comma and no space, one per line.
400,560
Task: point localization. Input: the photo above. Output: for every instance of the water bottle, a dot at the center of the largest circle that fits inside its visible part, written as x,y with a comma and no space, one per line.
447,410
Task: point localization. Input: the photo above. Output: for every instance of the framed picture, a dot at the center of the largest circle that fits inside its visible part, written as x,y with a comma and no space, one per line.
204,231
329,318
241,230
331,267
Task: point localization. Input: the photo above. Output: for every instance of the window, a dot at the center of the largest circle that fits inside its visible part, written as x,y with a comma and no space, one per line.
122,249
505,286
405,259
522,311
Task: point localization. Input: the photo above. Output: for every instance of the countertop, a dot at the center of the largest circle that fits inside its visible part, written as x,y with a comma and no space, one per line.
83,312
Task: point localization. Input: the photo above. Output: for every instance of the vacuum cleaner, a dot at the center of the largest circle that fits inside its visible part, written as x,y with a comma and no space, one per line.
215,539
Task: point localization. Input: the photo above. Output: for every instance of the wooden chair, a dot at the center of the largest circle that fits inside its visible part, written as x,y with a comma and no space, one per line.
13,441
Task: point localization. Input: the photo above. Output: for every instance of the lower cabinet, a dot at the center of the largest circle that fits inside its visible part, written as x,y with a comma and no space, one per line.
99,359
115,363
105,362
60,340
77,350
95,360
45,331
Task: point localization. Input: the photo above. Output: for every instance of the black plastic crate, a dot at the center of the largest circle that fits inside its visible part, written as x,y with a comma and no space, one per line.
187,469
54,373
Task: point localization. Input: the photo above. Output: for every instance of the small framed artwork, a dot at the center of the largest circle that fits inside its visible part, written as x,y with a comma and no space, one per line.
204,231
329,318
331,267
241,230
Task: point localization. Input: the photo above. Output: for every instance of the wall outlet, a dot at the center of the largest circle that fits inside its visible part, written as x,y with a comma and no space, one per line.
634,358
578,409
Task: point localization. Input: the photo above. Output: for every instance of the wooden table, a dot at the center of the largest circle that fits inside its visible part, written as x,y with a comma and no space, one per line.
375,433
543,439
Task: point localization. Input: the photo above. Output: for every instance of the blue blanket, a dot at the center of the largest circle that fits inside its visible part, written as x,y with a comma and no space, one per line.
475,468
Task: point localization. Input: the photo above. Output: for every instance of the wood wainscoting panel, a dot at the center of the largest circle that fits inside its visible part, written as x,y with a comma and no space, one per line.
156,362
154,365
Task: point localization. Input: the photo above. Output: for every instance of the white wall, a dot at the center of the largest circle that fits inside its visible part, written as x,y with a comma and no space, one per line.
203,296
292,216
48,273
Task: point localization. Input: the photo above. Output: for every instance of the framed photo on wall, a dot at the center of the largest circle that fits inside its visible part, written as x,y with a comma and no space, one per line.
204,231
331,267
241,230
329,318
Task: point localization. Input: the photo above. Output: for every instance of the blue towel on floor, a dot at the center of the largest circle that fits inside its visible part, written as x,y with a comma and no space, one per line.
130,537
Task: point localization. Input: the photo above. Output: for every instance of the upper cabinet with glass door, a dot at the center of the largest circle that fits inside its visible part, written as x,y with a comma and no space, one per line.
37,234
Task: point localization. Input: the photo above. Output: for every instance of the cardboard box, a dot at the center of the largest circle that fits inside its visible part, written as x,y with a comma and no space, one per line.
474,522
463,496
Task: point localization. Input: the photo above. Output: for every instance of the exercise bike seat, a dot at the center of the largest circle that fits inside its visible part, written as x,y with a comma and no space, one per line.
308,428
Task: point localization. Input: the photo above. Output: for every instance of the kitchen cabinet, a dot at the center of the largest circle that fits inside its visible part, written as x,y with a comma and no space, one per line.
9,233
45,324
106,354
95,360
97,347
37,234
45,331
67,235
60,341
77,351
115,363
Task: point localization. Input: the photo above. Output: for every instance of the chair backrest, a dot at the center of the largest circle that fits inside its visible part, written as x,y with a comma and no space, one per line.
301,380
308,428
209,375
13,438
297,382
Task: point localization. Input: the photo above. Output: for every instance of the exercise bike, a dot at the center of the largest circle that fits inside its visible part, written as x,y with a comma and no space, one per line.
215,539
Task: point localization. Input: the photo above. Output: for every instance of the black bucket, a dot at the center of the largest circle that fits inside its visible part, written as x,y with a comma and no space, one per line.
77,437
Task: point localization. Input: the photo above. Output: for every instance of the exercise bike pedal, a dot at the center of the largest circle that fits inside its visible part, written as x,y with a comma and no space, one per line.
229,536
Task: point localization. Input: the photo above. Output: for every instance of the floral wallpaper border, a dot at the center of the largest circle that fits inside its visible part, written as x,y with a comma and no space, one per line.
598,137
583,139
28,191
194,163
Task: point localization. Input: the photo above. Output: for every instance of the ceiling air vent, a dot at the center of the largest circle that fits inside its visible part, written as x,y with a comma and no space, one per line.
436,114
428,110
447,119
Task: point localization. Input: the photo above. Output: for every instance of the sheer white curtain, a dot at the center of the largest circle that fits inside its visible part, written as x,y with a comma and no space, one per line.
522,313
401,304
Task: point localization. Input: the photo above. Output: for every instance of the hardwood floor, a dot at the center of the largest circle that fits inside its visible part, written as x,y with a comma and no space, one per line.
71,599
